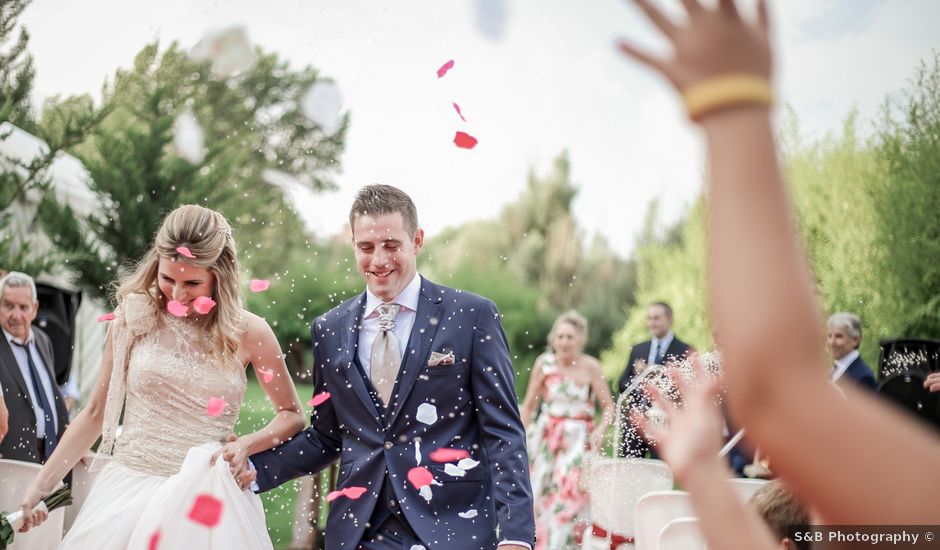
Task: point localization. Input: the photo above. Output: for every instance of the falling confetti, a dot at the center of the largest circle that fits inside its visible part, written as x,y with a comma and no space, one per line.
188,138
203,304
154,541
427,413
469,514
455,471
465,140
177,308
206,510
425,493
467,464
319,399
266,375
228,49
460,114
323,105
259,285
419,476
215,406
444,68
449,455
106,317
418,452
184,251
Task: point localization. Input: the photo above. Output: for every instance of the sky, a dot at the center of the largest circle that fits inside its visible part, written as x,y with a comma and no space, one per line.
542,79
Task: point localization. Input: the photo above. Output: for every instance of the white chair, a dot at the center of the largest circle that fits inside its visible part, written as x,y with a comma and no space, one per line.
654,511
745,488
615,485
682,534
15,477
82,479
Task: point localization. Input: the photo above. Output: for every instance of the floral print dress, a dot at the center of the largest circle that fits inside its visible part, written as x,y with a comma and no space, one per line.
558,448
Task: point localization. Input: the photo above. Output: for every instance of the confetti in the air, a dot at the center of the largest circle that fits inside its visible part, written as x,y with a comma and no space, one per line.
188,138
259,285
184,251
455,471
177,308
449,455
266,375
459,113
203,304
352,493
154,541
215,406
323,104
425,493
228,49
106,317
418,452
419,476
319,399
206,510
444,68
427,414
469,514
465,140
467,464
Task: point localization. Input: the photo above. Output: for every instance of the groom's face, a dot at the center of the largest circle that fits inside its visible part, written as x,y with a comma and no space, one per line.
386,255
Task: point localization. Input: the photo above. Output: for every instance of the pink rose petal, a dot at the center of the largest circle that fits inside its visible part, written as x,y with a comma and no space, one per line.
215,406
203,304
354,492
259,285
266,375
154,540
106,317
334,495
207,510
444,68
419,476
465,141
448,455
177,308
457,108
183,251
318,399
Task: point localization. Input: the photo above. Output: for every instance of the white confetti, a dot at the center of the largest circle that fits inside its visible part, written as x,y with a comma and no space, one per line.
323,104
425,492
418,452
469,514
229,50
188,138
467,464
427,414
454,470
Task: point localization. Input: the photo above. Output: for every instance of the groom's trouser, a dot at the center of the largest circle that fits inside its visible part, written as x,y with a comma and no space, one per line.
389,528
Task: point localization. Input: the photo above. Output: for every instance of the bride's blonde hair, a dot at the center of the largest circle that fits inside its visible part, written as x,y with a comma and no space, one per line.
208,235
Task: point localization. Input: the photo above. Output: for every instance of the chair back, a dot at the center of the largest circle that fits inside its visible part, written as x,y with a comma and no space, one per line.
745,488
82,479
654,511
615,486
15,477
682,534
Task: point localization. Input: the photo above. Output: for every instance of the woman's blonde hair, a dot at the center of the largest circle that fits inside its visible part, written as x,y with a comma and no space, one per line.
208,236
574,319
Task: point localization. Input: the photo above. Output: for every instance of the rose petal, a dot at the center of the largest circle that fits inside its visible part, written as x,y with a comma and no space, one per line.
444,68
465,141
467,464
259,285
469,514
449,455
417,452
354,492
206,510
419,476
457,108
323,104
427,414
491,17
188,138
215,406
154,540
183,251
229,49
425,493
266,375
334,495
106,317
203,304
417,547
318,399
177,308
452,470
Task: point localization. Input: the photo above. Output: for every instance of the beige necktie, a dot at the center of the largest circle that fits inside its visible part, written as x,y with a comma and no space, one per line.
385,353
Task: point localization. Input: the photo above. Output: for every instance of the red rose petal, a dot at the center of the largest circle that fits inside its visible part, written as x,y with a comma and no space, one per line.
183,251
259,285
203,304
354,492
154,540
444,68
266,375
449,455
457,108
465,141
318,399
106,317
177,308
207,510
420,476
215,406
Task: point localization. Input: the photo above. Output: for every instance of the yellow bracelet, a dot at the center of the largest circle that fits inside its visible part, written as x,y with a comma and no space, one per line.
725,91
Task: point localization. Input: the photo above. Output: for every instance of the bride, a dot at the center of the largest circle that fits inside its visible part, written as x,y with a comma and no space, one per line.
175,362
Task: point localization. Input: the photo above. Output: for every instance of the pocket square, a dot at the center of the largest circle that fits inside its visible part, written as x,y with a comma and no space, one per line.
439,359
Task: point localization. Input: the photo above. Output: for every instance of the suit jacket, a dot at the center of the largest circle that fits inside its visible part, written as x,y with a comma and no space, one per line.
476,411
20,441
861,373
677,350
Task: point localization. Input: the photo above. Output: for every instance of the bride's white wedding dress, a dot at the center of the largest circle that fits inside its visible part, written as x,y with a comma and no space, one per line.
160,461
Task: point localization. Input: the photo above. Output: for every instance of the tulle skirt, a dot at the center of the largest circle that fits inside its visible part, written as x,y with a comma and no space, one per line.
126,509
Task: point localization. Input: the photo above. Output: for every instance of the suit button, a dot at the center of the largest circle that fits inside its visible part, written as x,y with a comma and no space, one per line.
388,444
392,503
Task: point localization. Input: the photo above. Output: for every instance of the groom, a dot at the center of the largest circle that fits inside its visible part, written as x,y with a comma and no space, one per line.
411,367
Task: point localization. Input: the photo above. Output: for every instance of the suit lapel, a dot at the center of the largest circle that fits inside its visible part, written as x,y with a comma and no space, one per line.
351,323
8,359
419,345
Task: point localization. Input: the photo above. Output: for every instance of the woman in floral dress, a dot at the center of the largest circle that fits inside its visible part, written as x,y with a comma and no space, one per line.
571,387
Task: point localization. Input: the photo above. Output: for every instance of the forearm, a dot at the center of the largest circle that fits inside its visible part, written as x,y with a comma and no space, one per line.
75,443
306,453
282,427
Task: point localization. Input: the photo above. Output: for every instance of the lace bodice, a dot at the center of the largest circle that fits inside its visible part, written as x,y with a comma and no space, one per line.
170,378
564,396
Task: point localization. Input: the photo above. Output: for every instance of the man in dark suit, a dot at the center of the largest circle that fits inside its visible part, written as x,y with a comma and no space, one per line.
37,413
844,334
411,367
661,349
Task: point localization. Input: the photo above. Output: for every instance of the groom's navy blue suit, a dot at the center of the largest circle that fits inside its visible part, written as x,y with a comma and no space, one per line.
476,411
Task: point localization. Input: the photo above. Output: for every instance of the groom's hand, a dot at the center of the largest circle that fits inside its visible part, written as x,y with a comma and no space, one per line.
235,452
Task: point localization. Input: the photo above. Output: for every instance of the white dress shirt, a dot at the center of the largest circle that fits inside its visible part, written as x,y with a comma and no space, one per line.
44,380
843,364
663,346
404,321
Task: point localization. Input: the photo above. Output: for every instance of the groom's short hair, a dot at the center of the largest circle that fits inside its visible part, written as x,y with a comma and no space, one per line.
378,200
